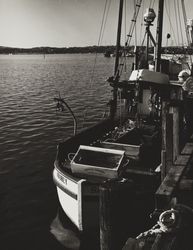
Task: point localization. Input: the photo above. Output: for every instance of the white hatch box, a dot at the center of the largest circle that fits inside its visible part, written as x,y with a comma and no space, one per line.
99,162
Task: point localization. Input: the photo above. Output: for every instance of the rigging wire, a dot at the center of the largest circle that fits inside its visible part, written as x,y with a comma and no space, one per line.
134,4
120,108
185,23
125,21
153,3
143,41
142,23
99,40
101,34
186,30
125,38
177,28
180,22
171,26
169,16
105,21
150,3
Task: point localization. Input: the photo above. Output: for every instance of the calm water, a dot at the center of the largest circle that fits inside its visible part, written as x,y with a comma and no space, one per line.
30,129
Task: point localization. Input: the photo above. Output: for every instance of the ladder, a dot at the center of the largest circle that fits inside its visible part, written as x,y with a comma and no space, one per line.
133,22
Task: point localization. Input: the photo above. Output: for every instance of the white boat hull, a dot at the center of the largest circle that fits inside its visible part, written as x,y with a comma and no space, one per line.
78,199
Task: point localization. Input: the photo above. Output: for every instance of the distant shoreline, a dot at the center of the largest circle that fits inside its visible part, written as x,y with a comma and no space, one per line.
88,49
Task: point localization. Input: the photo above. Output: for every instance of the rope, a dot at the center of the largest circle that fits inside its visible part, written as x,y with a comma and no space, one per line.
167,223
178,218
71,156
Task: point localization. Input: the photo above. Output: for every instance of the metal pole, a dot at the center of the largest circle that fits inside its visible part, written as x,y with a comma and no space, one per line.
116,73
159,35
118,37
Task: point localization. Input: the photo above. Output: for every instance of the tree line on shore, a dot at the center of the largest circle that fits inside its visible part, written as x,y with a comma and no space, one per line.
87,49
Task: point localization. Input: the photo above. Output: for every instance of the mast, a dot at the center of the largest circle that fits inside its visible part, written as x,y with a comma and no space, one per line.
118,37
116,72
159,36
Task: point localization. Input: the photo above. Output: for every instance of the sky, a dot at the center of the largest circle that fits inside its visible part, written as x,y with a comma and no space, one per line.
65,23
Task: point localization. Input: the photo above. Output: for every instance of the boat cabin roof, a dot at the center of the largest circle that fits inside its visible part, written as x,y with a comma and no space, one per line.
145,75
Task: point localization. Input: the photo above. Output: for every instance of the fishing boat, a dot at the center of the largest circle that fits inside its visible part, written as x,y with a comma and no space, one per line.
130,54
107,53
107,175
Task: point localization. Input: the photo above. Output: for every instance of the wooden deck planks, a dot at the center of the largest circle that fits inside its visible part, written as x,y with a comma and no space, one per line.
188,149
170,183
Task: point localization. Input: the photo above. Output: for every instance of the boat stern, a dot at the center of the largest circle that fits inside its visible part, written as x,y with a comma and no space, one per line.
77,198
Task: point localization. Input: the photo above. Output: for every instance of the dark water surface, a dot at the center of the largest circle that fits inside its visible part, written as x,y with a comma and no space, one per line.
30,129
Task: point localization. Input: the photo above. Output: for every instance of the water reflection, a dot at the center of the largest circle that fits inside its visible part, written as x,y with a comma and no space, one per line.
30,131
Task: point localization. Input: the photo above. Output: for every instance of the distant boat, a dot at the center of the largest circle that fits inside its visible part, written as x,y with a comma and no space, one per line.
107,53
130,54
